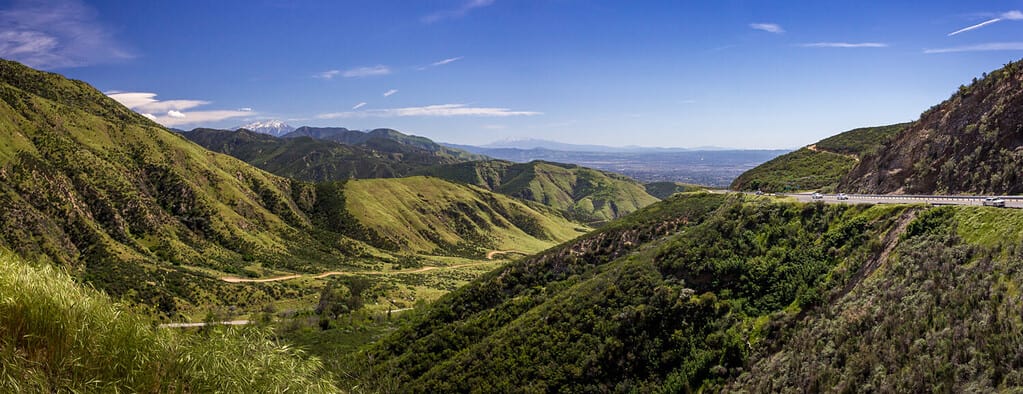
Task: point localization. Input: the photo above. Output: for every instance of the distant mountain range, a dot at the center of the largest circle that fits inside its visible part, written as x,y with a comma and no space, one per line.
273,127
534,143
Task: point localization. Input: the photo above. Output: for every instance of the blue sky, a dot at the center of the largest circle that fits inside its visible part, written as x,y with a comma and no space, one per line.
748,74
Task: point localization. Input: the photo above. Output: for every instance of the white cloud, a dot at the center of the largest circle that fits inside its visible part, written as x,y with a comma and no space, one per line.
145,102
329,74
446,61
440,110
55,34
366,71
359,105
845,45
390,92
457,12
199,117
768,27
172,113
1013,15
994,46
246,109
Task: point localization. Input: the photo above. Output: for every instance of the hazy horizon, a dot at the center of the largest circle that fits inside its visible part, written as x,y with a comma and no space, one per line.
736,74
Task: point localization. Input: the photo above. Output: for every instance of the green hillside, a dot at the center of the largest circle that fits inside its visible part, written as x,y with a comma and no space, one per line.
57,336
434,216
386,140
149,217
314,160
667,296
819,166
707,292
663,190
582,193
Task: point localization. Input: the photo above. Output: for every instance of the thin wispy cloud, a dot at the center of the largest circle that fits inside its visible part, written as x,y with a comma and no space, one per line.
440,110
52,34
994,46
456,13
172,113
844,45
359,105
1013,15
390,92
329,74
446,61
367,71
768,27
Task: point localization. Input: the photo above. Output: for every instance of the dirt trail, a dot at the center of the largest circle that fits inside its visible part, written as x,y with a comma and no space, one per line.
813,147
231,279
490,254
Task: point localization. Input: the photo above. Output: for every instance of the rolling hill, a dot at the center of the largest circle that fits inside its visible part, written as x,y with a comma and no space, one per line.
145,215
313,160
818,166
971,143
386,140
434,216
709,292
582,193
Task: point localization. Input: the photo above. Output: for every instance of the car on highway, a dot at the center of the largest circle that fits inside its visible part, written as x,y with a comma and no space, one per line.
842,196
994,202
817,196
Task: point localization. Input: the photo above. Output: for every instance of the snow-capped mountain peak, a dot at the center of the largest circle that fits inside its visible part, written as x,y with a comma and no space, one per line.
273,127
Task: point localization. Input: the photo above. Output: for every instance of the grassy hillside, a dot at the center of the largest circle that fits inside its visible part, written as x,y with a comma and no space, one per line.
56,336
968,144
123,203
819,166
431,215
663,190
672,295
310,159
386,140
582,193
712,292
149,217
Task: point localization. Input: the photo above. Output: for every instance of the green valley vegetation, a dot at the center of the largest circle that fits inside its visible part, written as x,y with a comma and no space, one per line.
58,336
968,144
708,292
818,166
149,217
582,193
663,190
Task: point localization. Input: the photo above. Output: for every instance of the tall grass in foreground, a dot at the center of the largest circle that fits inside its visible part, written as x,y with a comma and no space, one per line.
58,336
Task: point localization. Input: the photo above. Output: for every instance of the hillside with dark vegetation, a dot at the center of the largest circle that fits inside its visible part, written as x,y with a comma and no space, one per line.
818,166
972,143
663,190
385,140
581,193
315,160
724,293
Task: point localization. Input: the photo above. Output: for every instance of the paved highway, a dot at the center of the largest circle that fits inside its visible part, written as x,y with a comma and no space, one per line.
1010,202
